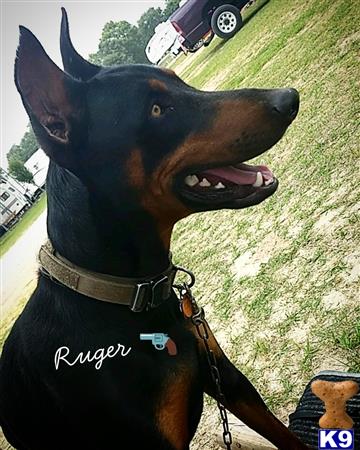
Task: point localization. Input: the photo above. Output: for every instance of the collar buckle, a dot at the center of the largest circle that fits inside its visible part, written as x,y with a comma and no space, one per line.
146,293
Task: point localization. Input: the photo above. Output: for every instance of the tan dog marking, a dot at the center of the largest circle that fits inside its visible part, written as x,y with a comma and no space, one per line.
169,72
335,395
158,85
135,169
172,414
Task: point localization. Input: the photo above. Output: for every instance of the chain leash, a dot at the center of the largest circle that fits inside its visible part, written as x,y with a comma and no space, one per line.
198,319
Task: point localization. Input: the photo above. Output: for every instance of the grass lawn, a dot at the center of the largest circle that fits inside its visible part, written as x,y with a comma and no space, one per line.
8,320
6,242
28,218
279,281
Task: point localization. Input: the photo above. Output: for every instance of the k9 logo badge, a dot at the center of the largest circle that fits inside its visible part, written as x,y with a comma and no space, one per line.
336,439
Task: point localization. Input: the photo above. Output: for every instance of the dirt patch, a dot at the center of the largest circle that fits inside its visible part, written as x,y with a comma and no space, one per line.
301,331
294,230
330,221
281,310
239,321
334,299
352,273
249,263
330,363
335,194
209,425
248,266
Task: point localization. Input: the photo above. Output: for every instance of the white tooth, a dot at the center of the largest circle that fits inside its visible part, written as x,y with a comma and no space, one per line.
259,180
191,180
219,185
205,183
267,182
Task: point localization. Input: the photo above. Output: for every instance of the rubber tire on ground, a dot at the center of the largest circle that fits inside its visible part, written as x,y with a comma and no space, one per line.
232,10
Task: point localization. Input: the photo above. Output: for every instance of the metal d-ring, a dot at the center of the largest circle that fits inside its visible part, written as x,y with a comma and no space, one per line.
188,272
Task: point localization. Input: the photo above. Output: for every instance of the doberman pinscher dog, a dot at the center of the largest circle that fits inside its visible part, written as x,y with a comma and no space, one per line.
133,149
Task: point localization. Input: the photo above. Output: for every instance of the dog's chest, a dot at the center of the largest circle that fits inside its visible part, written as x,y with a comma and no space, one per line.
179,406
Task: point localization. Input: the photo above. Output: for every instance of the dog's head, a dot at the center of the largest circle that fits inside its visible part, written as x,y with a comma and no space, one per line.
140,132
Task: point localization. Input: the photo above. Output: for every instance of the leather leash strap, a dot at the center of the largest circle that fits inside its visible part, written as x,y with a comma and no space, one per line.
192,311
138,294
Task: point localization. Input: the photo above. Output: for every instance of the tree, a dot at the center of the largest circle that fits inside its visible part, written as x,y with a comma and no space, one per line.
170,7
19,171
119,44
147,23
15,152
123,43
28,145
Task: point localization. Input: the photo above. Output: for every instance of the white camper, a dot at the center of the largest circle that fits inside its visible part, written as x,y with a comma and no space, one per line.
163,39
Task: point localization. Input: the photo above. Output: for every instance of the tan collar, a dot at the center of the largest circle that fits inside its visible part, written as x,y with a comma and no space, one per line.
138,294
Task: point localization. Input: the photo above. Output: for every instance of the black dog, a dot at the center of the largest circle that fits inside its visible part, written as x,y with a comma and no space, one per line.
133,149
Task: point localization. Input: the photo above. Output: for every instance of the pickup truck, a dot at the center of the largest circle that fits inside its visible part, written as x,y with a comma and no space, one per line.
196,21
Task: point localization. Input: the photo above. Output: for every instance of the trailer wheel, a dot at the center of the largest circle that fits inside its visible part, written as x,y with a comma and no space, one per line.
226,21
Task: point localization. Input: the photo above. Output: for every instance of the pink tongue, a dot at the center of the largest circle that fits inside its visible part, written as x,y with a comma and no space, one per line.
237,176
243,174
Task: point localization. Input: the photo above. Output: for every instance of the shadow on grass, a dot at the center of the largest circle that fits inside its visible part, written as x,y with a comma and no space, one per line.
217,47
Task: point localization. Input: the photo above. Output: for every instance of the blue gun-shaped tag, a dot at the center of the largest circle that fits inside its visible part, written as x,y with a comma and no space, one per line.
160,341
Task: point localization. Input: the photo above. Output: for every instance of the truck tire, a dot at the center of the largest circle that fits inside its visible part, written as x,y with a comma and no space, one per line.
226,21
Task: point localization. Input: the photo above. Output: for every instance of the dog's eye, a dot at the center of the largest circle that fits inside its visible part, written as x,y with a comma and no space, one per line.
156,110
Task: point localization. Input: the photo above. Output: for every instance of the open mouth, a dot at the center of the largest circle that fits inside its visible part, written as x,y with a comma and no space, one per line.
233,186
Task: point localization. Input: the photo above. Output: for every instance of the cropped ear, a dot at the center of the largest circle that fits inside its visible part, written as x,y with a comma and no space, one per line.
74,64
51,99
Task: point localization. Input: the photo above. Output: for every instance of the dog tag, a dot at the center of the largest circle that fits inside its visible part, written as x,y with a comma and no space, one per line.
186,306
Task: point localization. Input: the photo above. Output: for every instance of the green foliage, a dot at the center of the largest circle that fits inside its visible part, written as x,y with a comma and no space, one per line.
22,152
19,154
19,171
147,23
29,143
119,44
123,43
170,7
15,153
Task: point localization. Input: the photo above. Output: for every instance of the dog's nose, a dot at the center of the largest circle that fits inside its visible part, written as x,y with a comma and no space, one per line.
286,103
